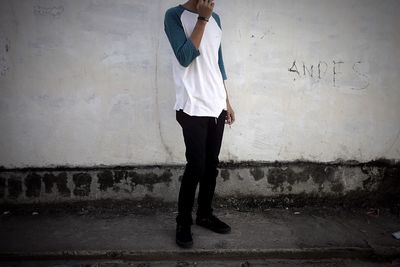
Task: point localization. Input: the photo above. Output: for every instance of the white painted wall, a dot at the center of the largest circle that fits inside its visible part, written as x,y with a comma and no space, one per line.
89,82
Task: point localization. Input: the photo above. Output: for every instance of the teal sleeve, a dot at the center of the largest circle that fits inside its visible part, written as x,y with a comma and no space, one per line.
220,57
183,47
221,63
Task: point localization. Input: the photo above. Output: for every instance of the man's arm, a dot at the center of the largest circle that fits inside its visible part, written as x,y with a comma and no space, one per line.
184,49
230,116
205,9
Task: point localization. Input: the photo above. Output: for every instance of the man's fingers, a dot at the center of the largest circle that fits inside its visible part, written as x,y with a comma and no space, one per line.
230,118
206,3
205,8
200,3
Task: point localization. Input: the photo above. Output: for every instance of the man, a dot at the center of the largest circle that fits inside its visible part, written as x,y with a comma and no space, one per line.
202,109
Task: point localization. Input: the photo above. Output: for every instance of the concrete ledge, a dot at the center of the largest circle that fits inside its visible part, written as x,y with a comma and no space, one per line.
337,179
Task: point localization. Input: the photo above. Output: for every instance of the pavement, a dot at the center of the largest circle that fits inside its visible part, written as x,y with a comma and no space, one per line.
272,237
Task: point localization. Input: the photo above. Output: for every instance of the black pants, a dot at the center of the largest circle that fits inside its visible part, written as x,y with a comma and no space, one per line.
203,137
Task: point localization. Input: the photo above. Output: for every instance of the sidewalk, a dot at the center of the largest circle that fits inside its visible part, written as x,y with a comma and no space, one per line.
301,233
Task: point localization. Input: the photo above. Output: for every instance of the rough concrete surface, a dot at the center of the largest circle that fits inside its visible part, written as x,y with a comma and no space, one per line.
290,234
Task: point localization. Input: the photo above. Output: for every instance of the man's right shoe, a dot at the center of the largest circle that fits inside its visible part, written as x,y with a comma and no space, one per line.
184,237
214,224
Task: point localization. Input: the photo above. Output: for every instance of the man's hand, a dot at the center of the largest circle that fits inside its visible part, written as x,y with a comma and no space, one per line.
205,8
230,115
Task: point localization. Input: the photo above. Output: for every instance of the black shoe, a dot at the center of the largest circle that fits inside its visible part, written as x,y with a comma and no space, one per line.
184,236
214,224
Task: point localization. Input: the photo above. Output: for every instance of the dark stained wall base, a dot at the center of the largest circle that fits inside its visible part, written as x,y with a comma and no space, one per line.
379,180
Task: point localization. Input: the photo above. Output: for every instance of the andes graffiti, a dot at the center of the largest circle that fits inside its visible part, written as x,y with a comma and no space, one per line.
338,73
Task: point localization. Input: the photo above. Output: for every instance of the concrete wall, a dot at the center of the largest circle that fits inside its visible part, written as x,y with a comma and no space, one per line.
86,89
88,83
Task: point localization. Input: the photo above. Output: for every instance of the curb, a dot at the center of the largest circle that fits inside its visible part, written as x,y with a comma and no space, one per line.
202,255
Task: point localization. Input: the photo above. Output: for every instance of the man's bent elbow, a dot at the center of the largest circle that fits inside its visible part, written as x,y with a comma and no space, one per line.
186,54
185,61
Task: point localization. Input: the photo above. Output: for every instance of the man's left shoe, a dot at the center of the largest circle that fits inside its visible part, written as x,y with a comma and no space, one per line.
214,224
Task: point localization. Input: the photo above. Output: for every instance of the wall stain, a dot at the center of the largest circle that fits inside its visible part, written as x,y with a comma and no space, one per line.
105,180
33,183
2,187
149,179
257,173
318,173
14,187
369,183
337,187
276,177
119,175
374,177
82,184
60,180
389,188
108,179
225,175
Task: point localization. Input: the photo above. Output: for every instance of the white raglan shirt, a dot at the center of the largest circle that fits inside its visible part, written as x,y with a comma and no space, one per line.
198,74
